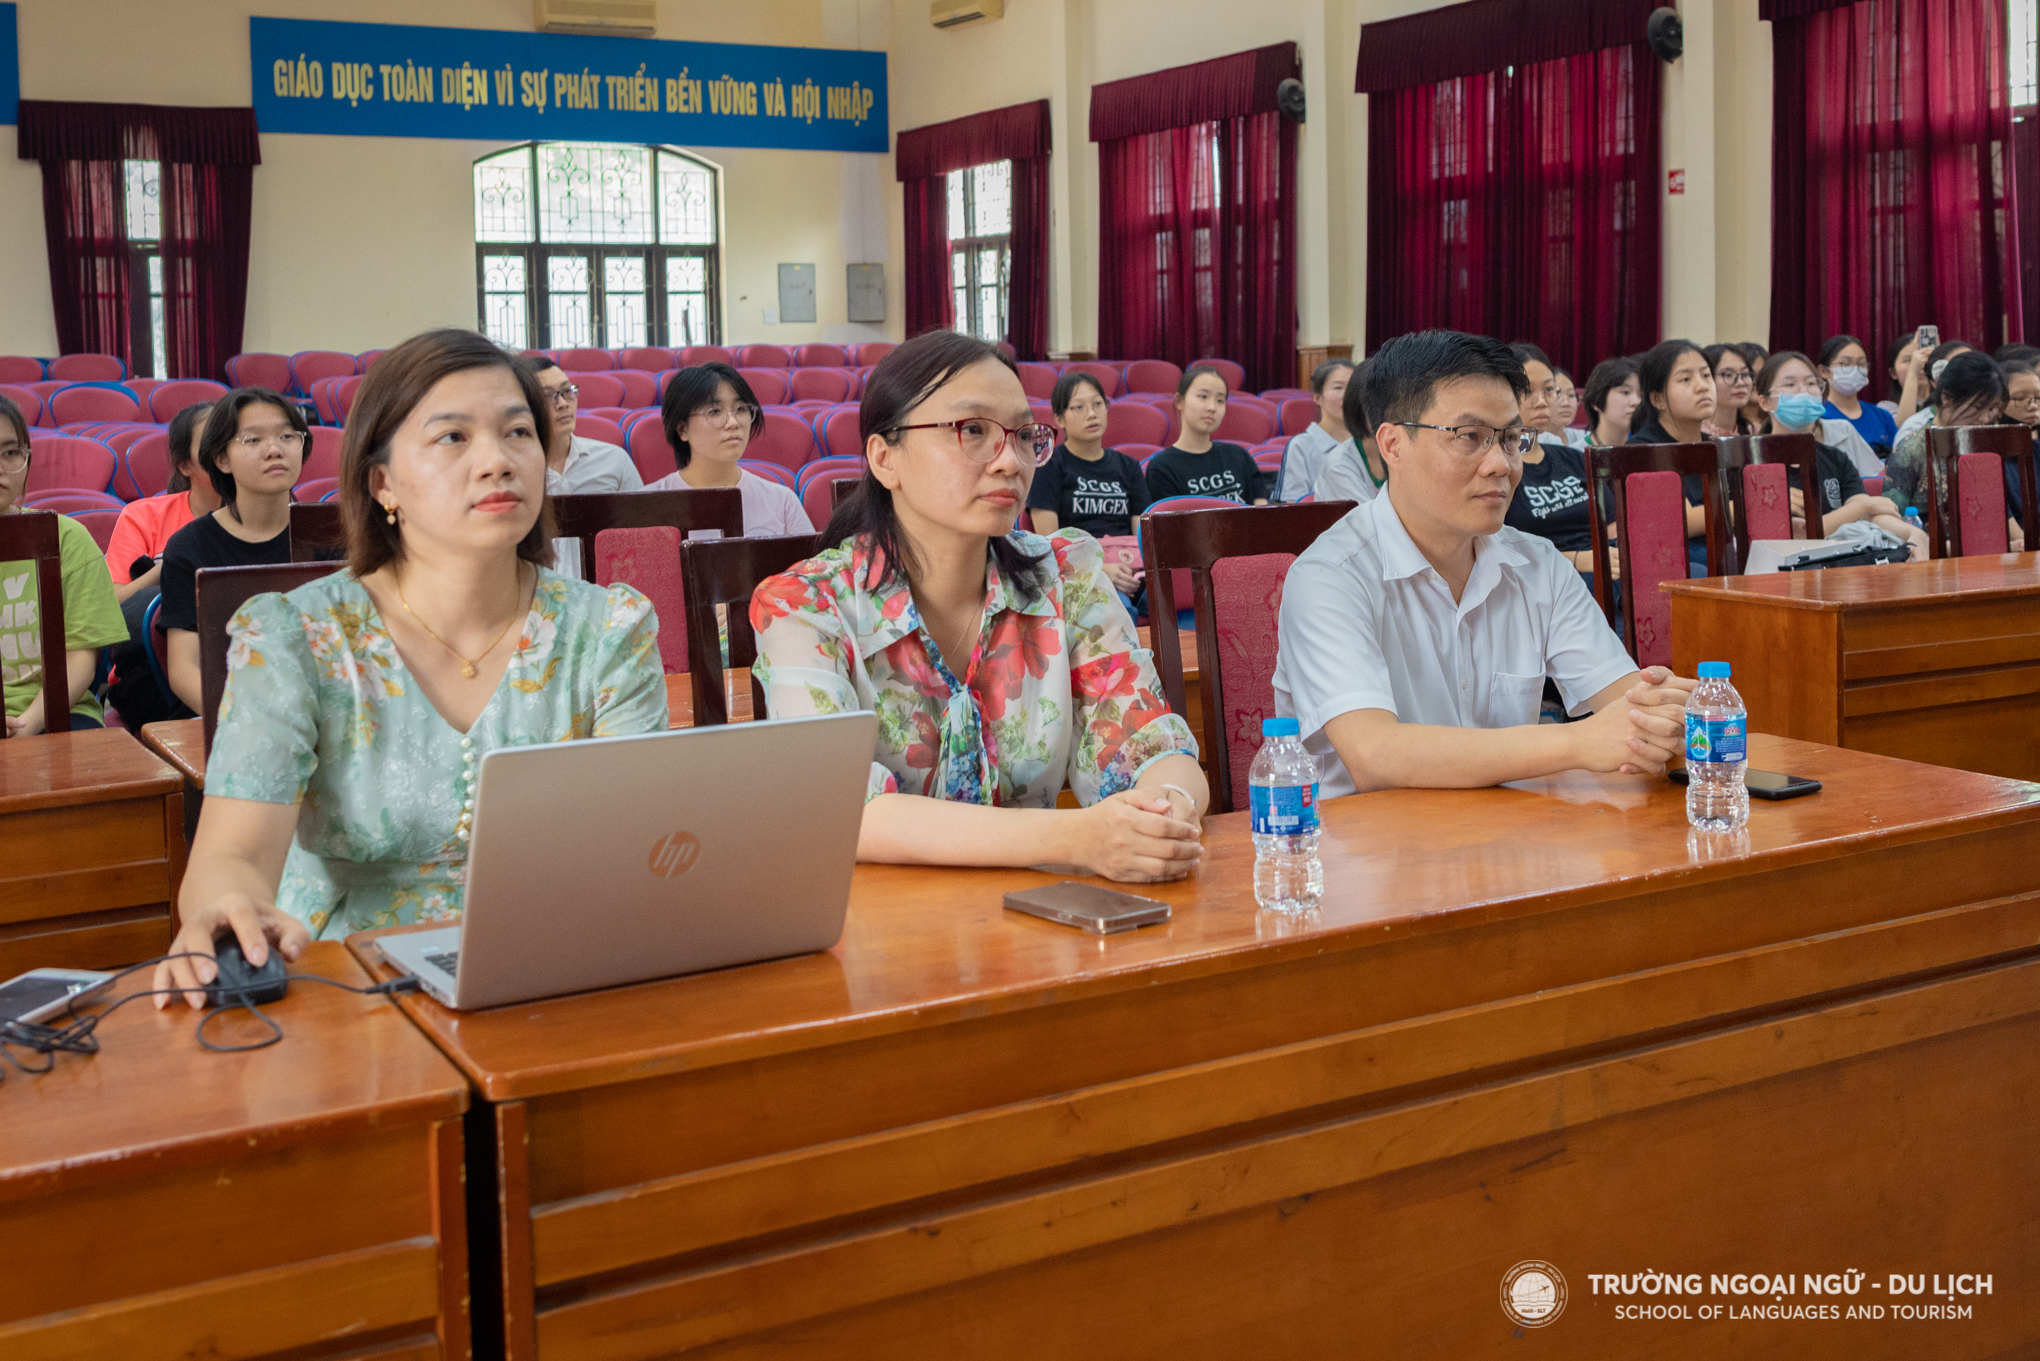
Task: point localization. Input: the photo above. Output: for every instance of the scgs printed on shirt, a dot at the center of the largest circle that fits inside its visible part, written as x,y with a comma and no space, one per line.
1222,486
1099,496
1560,494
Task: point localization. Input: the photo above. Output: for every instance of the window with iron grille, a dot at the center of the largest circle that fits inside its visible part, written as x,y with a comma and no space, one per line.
142,203
981,247
597,244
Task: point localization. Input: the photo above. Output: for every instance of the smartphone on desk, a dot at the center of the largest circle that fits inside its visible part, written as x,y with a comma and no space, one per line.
1088,907
1763,784
42,993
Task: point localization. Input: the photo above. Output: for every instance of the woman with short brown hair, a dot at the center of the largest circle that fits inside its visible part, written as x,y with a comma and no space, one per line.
340,787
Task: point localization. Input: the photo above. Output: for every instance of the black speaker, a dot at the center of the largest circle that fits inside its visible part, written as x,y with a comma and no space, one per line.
1289,99
1666,33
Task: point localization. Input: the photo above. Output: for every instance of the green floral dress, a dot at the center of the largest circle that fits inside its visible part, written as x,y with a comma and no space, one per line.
1057,688
320,710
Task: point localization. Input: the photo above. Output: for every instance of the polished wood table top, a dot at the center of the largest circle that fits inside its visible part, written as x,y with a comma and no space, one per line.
1898,583
61,770
922,943
180,742
153,1097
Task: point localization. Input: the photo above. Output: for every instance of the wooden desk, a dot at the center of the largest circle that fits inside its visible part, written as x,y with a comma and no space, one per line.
1929,661
1532,1022
181,744
91,851
159,1201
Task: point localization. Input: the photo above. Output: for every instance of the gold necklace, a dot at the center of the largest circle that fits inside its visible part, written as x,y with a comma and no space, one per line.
467,665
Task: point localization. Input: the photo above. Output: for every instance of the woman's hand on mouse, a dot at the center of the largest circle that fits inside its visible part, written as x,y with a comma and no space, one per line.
255,924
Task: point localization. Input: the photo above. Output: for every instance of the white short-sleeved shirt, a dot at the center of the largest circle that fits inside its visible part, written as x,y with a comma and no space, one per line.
770,508
1344,475
1302,461
1368,623
593,465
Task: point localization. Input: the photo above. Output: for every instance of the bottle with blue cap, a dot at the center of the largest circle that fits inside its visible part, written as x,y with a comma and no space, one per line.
1717,753
1282,792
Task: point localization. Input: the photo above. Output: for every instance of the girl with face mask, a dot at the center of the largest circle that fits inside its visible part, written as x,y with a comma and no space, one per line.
1790,393
1844,365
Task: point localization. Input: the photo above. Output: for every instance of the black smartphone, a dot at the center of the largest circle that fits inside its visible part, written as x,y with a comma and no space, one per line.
1764,784
1088,907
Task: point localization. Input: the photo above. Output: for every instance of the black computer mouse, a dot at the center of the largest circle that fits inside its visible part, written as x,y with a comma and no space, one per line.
239,982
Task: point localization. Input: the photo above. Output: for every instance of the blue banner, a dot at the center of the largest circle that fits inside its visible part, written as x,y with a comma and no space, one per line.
389,80
10,67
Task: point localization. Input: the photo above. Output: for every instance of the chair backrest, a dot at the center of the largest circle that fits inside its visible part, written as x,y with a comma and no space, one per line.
317,490
261,370
757,357
1295,414
598,428
1759,487
167,399
820,492
309,366
828,385
95,402
323,398
1108,375
649,448
342,399
88,368
640,388
772,387
650,358
585,360
783,438
1237,558
1136,423
647,557
1152,375
31,536
98,522
820,357
69,501
770,471
368,357
1038,380
597,388
840,437
144,469
221,591
322,459
315,529
712,354
27,398
21,368
60,461
1247,420
2010,444
1651,532
725,572
871,351
1873,486
156,644
1980,527
1235,376
584,515
124,436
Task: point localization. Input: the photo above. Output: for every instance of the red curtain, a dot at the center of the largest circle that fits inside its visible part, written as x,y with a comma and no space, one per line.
208,158
1519,201
923,158
1197,222
1891,171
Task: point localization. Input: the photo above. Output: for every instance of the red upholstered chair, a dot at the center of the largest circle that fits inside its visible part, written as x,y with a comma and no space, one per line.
648,558
1247,420
27,398
1135,422
1268,457
1642,483
1980,518
820,357
88,368
619,416
70,501
827,385
585,515
871,351
1139,453
317,490
220,592
167,399
825,464
99,523
1281,395
770,471
1873,486
640,387
650,358
1233,560
120,437
819,490
1760,471
585,360
840,437
69,462
344,392
322,400
1295,414
772,387
260,370
49,388
20,368
31,536
1108,375
1152,375
711,354
144,468
649,449
94,402
1038,380
784,439
368,357
726,572
309,366
1235,376
597,388
595,427
2009,444
761,357
323,458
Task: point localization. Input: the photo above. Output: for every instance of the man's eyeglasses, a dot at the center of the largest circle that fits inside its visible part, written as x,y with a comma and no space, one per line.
982,438
13,458
740,413
287,440
562,396
1471,441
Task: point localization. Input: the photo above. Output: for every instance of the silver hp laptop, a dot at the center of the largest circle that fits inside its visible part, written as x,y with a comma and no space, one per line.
618,859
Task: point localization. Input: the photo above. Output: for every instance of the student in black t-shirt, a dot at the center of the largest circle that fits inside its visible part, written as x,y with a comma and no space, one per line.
253,448
1084,485
1196,466
1551,500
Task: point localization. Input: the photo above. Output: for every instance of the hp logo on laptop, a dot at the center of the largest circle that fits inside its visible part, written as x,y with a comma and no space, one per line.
675,854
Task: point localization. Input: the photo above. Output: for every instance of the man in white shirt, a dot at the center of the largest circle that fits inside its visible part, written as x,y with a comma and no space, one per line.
1305,456
575,463
1416,634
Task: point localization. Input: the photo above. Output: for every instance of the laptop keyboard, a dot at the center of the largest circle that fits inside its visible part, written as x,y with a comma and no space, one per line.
448,960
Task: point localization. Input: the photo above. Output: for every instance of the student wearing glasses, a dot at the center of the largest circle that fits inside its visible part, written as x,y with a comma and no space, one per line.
1735,383
251,450
1416,634
1001,664
711,415
92,617
576,463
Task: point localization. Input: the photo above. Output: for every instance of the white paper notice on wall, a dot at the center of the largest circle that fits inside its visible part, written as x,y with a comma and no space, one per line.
771,316
867,292
796,293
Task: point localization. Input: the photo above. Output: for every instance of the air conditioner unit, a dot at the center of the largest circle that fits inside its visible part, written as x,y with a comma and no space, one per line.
957,13
601,18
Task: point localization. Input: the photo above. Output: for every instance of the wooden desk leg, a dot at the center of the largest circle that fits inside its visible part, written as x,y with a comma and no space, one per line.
176,849
449,1227
513,1199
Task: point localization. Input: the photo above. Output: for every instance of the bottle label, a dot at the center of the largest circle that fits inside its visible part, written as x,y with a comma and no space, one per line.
1286,810
1716,740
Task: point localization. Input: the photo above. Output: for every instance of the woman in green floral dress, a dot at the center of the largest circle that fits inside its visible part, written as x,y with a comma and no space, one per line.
340,786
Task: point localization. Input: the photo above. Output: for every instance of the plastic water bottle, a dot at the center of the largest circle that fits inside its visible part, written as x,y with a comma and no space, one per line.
1717,753
1282,790
1912,517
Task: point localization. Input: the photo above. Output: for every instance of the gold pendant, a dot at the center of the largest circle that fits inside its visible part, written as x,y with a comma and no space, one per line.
468,671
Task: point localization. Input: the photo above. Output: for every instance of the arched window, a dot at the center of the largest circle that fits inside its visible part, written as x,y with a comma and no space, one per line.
599,244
